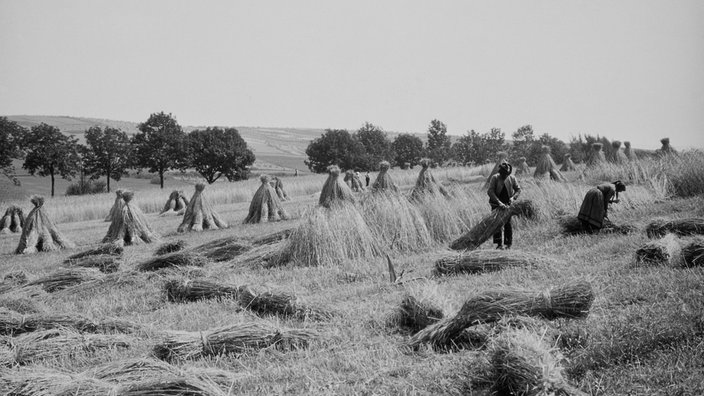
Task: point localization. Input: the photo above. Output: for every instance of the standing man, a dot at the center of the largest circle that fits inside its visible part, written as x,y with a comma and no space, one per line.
503,190
367,178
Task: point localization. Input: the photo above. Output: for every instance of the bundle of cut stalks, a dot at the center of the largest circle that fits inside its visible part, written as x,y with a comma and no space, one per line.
619,157
567,164
501,157
223,249
102,250
547,167
666,250
681,227
61,343
334,190
413,315
65,278
116,210
481,261
571,300
131,227
274,237
170,247
12,280
234,339
353,182
175,205
12,323
522,168
486,228
572,226
19,304
426,183
693,253
597,156
182,290
12,220
44,381
666,149
524,364
106,264
266,205
200,214
384,182
170,260
40,233
630,154
278,186
170,385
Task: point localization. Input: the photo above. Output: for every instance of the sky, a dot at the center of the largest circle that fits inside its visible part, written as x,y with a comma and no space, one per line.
628,69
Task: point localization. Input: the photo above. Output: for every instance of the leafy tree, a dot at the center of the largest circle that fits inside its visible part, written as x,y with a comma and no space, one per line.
160,145
334,147
523,140
479,148
408,149
50,153
558,148
581,147
465,148
439,144
377,147
107,154
216,152
11,134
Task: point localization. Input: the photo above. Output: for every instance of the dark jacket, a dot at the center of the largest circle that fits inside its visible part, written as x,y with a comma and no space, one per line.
496,186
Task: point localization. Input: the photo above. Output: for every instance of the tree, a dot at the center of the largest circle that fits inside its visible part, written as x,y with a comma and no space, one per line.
50,153
334,147
159,145
108,153
438,148
408,149
377,147
523,140
11,133
558,148
216,152
479,148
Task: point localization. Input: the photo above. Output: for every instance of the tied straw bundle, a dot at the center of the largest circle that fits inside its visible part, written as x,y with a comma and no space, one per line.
234,339
171,260
666,250
176,204
200,214
13,324
104,264
12,220
682,227
62,279
102,250
480,261
486,228
40,233
414,315
693,253
12,280
571,300
170,247
571,225
223,249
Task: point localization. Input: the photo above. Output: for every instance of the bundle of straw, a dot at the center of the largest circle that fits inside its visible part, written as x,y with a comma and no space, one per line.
176,204
501,157
619,157
171,385
43,381
234,339
170,247
666,250
353,182
274,237
480,261
131,227
200,214
681,227
223,249
547,167
177,290
334,190
266,205
102,250
384,181
170,260
14,323
12,220
12,280
19,304
40,233
65,278
597,156
426,183
491,223
567,164
571,300
105,264
693,253
666,148
522,168
413,315
61,343
278,186
571,225
116,210
630,154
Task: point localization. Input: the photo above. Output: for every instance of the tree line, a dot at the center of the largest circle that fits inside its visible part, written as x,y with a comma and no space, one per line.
363,149
160,145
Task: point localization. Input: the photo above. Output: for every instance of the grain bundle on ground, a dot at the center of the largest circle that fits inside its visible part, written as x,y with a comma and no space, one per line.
384,182
274,237
596,157
619,157
171,247
501,157
223,249
12,220
481,261
65,278
413,315
107,249
106,264
353,181
40,233
175,205
12,280
116,209
522,168
334,191
630,154
682,227
235,339
184,290
266,205
664,251
13,323
177,259
571,225
200,214
524,364
693,252
278,185
170,385
61,344
43,381
20,304
666,148
572,300
132,227
426,183
567,164
486,228
547,167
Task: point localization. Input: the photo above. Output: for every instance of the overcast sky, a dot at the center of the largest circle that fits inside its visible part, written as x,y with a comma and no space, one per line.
627,70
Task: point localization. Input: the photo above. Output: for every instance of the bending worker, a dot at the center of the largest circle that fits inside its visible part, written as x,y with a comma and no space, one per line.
594,210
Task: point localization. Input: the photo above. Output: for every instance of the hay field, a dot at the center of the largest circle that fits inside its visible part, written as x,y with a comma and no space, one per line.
643,333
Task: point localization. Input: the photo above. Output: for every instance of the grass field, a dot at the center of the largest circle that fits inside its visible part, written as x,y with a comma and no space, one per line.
643,334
